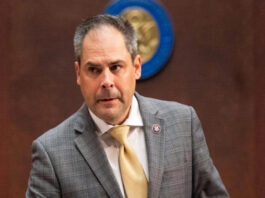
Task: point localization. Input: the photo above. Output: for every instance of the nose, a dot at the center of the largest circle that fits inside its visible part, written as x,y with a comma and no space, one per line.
107,80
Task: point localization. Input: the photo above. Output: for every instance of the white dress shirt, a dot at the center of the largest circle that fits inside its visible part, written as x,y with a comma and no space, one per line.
135,137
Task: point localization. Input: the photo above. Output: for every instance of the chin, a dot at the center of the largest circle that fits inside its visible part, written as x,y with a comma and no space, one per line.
110,120
112,115
107,116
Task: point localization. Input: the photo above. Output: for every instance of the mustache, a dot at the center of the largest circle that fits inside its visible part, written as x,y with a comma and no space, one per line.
108,94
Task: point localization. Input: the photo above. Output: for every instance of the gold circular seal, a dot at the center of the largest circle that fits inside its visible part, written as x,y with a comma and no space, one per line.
146,29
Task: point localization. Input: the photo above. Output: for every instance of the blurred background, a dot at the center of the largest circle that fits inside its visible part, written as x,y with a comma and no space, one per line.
217,66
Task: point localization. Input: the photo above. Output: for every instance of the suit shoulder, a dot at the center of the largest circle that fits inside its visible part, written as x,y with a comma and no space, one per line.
173,113
61,132
164,106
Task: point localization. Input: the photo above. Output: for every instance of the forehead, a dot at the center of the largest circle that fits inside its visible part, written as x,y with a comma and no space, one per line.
103,42
104,34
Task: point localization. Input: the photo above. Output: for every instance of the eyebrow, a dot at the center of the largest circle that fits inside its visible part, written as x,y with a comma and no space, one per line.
116,62
90,64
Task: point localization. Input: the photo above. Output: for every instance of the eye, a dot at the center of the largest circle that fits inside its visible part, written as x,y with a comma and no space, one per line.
115,67
93,70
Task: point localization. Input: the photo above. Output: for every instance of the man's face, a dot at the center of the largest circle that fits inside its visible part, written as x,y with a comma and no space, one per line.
107,75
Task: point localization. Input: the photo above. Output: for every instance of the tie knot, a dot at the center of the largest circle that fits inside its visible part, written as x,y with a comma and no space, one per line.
120,133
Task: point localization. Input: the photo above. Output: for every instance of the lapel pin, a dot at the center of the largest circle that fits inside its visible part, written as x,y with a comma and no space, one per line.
156,128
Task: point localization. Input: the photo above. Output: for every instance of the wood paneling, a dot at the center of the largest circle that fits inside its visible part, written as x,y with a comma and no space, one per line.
259,50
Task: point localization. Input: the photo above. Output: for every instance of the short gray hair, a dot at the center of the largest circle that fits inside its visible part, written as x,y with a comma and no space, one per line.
117,22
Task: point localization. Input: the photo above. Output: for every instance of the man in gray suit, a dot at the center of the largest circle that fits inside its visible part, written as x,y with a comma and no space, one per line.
79,158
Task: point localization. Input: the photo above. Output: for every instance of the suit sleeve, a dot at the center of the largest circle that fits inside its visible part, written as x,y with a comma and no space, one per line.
42,181
206,179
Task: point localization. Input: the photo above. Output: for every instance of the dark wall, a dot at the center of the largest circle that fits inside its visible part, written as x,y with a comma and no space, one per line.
259,49
217,66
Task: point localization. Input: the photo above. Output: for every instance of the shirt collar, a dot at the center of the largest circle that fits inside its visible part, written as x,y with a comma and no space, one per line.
134,118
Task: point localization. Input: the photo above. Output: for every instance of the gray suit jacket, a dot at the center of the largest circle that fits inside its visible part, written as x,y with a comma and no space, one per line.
69,161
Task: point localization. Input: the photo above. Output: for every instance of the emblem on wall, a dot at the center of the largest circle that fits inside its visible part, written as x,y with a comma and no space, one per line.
153,28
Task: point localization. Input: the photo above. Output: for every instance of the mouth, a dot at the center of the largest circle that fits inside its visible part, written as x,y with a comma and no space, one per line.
107,100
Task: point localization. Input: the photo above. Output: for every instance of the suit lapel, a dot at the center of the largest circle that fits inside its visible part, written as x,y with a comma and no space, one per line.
90,147
155,145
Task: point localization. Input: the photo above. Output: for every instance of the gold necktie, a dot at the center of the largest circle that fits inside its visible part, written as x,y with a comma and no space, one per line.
133,176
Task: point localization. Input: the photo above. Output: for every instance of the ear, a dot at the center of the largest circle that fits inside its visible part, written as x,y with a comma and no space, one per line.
138,66
77,72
